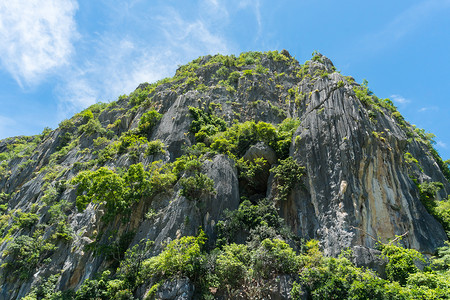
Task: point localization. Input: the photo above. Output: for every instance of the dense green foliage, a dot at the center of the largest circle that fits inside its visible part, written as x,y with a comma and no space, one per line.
239,137
287,174
338,278
149,120
252,221
439,209
117,192
205,124
197,186
428,192
26,253
442,213
245,268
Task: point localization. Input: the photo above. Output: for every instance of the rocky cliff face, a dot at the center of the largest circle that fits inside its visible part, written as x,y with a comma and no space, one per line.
363,165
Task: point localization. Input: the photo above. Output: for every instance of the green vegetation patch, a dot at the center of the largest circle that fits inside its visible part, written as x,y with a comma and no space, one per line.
119,192
239,137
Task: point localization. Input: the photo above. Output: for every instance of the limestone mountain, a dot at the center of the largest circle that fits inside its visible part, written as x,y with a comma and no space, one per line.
244,150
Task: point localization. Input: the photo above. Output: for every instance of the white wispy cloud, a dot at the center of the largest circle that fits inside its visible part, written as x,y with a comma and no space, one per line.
119,66
400,99
255,5
428,108
441,144
190,36
121,62
216,8
36,37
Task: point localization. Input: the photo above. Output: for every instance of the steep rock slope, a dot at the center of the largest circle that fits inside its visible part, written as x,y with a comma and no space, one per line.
354,154
364,166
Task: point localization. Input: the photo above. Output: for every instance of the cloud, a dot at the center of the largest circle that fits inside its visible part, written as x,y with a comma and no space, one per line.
399,99
255,5
118,67
121,61
441,144
36,37
190,36
429,108
216,8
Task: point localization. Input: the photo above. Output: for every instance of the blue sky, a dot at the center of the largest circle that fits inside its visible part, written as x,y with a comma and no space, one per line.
59,56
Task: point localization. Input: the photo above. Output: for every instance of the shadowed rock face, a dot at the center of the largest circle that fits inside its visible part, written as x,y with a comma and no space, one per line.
358,186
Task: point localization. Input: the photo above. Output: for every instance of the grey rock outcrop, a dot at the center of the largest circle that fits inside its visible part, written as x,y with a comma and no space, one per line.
178,289
364,257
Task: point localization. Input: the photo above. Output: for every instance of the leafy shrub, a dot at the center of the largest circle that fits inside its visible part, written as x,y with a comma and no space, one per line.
129,141
274,257
149,120
233,78
117,192
114,248
67,124
25,220
336,278
86,115
161,178
64,140
231,265
109,152
287,174
63,231
181,257
249,170
155,147
223,73
401,262
248,73
428,191
26,253
197,186
249,58
140,95
94,288
188,163
205,123
239,137
316,56
277,56
261,70
443,165
131,266
409,159
91,127
363,93
247,218
442,261
46,290
100,142
442,212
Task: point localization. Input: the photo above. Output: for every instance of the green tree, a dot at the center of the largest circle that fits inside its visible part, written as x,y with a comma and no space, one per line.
287,174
